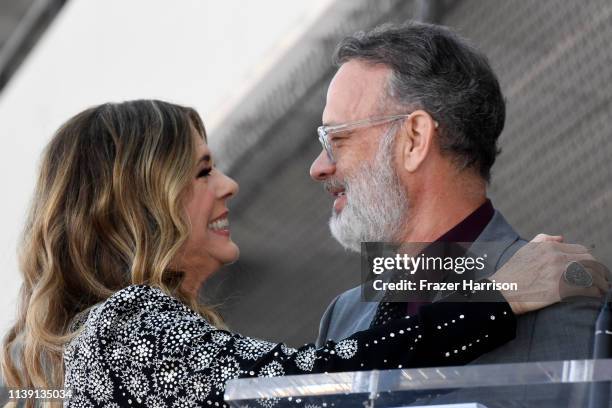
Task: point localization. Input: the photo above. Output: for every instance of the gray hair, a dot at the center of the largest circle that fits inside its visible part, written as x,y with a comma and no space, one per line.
436,70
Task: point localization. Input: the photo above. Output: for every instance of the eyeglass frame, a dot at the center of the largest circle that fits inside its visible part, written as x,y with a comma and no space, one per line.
324,131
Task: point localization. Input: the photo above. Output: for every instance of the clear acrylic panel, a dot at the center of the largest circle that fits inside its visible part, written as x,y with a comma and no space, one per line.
558,384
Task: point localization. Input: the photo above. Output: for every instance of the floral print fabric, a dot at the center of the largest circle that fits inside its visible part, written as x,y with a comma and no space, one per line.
144,348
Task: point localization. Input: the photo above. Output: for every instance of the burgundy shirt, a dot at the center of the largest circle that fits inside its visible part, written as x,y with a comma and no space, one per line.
467,230
472,226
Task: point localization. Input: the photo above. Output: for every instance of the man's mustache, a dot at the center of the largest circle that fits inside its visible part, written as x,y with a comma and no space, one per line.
332,185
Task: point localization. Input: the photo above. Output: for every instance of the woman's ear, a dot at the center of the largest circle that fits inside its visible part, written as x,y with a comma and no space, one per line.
418,131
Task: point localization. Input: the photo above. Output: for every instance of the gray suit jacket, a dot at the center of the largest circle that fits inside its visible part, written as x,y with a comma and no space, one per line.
559,332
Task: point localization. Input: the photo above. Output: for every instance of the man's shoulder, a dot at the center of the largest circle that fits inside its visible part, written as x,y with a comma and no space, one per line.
347,314
350,303
563,331
499,241
352,298
349,296
498,229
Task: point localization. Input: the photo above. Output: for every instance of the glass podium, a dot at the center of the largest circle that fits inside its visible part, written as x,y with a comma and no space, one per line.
554,384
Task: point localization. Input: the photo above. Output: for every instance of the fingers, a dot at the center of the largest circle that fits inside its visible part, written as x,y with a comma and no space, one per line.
558,239
547,238
571,248
539,271
577,257
599,272
600,279
567,292
593,292
600,284
519,307
597,268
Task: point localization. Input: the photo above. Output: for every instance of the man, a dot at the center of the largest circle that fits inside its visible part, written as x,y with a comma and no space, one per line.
410,134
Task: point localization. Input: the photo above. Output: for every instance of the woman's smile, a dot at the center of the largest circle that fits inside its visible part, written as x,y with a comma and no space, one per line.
220,225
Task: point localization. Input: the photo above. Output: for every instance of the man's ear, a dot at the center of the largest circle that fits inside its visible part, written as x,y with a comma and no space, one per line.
418,132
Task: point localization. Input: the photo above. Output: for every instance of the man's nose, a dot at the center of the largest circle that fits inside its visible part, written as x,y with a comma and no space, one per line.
322,167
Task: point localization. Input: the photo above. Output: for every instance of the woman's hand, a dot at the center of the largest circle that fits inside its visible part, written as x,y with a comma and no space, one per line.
539,269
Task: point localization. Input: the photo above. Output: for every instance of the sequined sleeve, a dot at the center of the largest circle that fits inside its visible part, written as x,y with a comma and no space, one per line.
144,348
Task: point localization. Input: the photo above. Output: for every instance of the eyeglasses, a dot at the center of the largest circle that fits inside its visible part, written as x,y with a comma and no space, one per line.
325,131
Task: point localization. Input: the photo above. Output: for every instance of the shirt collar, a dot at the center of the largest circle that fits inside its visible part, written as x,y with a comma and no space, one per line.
472,226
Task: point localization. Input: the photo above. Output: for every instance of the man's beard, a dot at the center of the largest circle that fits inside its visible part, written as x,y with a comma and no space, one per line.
377,204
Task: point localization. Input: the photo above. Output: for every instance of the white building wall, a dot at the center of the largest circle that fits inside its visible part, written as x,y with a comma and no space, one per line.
202,53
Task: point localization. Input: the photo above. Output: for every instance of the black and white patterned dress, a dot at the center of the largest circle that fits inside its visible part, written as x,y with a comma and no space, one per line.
144,348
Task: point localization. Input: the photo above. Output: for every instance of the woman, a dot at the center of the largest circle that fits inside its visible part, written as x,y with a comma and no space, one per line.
128,220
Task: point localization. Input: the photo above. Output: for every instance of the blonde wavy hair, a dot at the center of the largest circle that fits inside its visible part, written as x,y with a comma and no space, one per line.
107,213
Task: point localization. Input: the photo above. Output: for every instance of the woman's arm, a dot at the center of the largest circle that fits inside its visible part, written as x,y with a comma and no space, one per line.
442,333
145,348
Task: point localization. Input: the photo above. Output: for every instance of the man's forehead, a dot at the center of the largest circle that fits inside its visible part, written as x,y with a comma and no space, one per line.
354,91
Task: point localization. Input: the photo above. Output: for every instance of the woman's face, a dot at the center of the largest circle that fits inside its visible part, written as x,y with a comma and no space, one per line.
209,245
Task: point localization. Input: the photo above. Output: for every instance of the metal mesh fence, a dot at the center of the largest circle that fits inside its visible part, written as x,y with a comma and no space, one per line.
553,60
